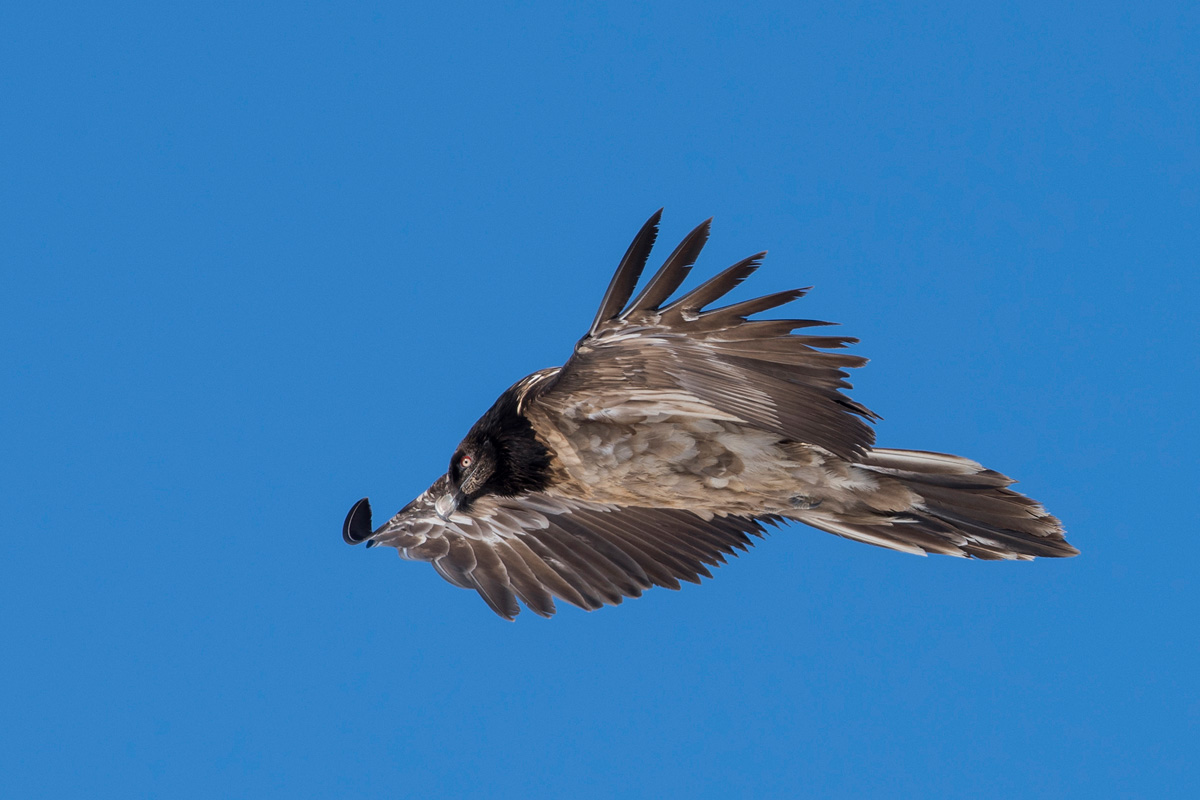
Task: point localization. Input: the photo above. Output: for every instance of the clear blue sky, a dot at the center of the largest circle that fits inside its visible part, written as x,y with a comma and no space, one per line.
259,262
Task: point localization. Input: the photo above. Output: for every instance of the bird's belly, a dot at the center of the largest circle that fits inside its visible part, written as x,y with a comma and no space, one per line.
700,464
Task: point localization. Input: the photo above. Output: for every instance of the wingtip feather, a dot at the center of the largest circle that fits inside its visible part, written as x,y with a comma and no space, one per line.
717,286
673,271
357,527
625,279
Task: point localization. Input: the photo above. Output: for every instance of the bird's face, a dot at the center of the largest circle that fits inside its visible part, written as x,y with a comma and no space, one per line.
473,465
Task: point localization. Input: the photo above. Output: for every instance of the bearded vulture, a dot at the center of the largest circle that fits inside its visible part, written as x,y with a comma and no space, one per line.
671,436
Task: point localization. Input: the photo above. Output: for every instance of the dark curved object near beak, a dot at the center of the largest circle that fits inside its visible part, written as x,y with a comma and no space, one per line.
357,527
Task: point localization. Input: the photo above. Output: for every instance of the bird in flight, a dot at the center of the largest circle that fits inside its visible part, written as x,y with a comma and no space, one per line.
670,437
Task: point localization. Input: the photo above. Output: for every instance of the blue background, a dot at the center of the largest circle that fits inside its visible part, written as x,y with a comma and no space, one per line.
259,261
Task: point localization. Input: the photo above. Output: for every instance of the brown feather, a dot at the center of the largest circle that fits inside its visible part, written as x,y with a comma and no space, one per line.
625,279
672,273
712,289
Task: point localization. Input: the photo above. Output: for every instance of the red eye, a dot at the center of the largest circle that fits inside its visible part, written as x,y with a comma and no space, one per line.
465,462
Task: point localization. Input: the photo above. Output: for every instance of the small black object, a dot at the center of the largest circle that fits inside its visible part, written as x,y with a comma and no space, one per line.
357,527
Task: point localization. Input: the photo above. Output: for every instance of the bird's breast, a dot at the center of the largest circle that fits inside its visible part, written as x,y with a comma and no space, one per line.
678,462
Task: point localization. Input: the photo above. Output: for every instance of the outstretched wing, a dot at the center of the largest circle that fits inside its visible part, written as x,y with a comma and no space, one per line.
666,352
537,547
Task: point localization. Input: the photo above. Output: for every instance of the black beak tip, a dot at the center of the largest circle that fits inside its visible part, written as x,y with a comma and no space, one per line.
357,527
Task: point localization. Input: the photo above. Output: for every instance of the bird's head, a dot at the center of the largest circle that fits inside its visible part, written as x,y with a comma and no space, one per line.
499,456
473,468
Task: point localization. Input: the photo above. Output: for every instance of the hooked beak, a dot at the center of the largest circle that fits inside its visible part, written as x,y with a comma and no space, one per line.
447,504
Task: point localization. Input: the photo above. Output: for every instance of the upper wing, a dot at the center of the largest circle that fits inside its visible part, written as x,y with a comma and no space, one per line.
677,353
536,547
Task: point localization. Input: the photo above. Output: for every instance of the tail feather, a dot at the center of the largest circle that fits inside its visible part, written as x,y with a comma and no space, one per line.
959,508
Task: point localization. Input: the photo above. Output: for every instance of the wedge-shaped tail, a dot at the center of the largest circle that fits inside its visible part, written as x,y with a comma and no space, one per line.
957,508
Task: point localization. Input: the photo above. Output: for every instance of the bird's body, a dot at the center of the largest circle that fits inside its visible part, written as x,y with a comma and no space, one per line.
639,453
671,434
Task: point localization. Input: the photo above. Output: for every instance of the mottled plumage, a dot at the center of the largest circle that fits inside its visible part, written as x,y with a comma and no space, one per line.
665,443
